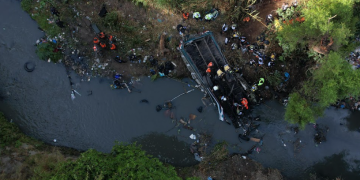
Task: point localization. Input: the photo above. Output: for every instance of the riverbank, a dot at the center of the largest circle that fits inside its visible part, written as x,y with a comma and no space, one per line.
22,157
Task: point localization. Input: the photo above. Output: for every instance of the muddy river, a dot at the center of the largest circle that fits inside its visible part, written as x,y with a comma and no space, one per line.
40,103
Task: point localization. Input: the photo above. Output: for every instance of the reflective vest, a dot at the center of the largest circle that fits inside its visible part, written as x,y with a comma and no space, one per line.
96,40
247,19
113,47
245,103
196,15
220,73
261,82
227,68
101,35
208,17
185,15
110,37
210,64
103,45
208,70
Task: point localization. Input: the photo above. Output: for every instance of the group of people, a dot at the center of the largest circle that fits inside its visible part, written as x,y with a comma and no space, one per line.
102,40
211,15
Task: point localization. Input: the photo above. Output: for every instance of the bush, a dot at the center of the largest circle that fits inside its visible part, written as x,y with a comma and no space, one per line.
26,5
9,133
124,162
46,51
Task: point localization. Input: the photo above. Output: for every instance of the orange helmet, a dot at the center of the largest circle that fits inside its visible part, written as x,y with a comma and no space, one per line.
103,45
208,70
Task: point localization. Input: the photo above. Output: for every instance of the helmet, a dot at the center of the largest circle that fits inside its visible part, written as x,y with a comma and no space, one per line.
216,88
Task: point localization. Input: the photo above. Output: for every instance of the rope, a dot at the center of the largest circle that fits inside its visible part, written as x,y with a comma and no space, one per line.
182,94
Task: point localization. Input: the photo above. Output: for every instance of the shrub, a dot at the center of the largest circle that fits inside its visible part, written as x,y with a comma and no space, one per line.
46,51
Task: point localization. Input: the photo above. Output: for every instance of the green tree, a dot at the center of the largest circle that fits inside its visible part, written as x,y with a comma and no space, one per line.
124,162
332,18
299,110
334,80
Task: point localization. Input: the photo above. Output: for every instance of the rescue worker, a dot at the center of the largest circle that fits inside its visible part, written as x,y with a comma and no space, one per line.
284,6
270,17
235,35
111,38
244,102
233,26
224,28
254,88
54,11
102,45
95,48
119,60
208,17
96,40
261,81
112,46
227,41
59,23
102,35
234,46
272,57
271,63
260,61
185,16
197,16
251,48
243,40
246,19
295,3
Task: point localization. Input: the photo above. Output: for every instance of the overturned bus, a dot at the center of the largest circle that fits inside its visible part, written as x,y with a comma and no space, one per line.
222,84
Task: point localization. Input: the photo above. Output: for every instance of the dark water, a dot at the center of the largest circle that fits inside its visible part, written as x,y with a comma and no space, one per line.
39,102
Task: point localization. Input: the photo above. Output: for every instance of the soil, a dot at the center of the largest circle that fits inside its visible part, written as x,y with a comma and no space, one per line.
149,23
234,168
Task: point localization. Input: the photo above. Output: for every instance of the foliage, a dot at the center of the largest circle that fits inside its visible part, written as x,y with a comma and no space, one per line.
274,79
26,5
218,154
10,134
46,51
334,80
111,20
333,18
124,162
299,110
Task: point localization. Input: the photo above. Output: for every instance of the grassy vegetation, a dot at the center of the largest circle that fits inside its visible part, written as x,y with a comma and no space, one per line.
46,51
126,161
218,154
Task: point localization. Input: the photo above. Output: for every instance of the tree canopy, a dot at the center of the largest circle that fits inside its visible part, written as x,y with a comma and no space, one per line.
333,18
334,80
124,162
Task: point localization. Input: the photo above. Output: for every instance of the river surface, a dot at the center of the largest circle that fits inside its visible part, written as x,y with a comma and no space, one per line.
39,102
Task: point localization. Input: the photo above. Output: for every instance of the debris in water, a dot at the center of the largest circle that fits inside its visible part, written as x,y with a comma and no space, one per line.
192,116
192,136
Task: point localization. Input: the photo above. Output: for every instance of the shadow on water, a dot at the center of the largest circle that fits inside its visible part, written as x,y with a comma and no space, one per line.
335,166
353,121
168,149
